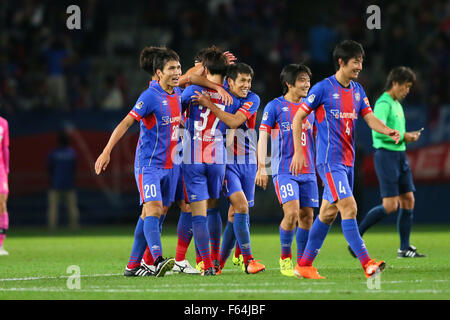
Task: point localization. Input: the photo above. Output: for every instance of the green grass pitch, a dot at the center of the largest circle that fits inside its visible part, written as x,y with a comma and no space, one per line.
38,262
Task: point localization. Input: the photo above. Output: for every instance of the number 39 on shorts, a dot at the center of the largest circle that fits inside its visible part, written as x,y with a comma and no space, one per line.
287,190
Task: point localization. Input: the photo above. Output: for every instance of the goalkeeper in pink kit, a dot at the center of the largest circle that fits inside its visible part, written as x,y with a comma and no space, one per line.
4,171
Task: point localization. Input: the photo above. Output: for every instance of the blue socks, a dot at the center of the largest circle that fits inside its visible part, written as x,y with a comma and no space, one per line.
375,215
201,238
161,221
301,237
317,235
286,238
404,223
153,236
139,245
228,243
215,231
242,233
351,234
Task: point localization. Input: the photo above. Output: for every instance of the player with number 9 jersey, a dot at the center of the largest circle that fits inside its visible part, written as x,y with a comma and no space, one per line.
277,121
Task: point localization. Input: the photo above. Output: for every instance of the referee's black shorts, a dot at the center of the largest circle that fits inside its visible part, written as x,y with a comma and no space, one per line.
393,172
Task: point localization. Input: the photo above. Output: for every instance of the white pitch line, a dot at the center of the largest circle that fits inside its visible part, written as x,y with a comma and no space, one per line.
171,290
60,277
194,276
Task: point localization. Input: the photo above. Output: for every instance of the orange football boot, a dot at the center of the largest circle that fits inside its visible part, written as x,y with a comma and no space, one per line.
308,272
373,267
253,266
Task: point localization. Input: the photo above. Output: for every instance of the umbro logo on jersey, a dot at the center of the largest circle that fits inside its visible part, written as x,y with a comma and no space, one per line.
164,102
336,95
193,196
285,109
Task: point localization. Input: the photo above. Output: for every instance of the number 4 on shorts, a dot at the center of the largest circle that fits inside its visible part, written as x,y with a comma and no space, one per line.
341,188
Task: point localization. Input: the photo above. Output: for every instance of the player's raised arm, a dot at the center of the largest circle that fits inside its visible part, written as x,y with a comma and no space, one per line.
104,158
203,82
231,120
298,160
376,124
261,174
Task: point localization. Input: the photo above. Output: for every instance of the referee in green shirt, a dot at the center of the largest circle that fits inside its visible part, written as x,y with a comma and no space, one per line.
391,164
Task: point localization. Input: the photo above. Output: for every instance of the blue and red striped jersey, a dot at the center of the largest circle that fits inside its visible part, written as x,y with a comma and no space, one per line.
277,120
159,115
337,109
245,138
204,140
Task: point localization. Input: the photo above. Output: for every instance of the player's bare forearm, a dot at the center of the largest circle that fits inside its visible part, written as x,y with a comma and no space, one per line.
377,125
202,81
118,133
231,120
297,124
298,159
261,174
262,149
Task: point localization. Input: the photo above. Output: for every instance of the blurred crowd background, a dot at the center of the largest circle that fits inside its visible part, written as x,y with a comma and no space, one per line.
48,70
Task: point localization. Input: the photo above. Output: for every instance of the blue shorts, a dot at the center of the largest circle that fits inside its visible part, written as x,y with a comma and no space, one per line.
337,180
154,184
203,181
302,187
393,172
241,177
176,184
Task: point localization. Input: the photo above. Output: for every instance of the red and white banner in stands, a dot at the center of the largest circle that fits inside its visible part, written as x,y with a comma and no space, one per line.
429,164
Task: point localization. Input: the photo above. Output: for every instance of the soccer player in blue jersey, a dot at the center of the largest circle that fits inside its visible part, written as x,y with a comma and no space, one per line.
194,75
158,110
204,160
337,101
298,195
241,165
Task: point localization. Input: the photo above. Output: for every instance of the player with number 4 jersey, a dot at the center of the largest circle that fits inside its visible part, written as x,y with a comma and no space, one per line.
337,102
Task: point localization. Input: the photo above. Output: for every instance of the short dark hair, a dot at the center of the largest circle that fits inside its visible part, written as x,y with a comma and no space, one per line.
163,57
200,54
239,68
214,60
400,75
290,73
147,58
346,50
